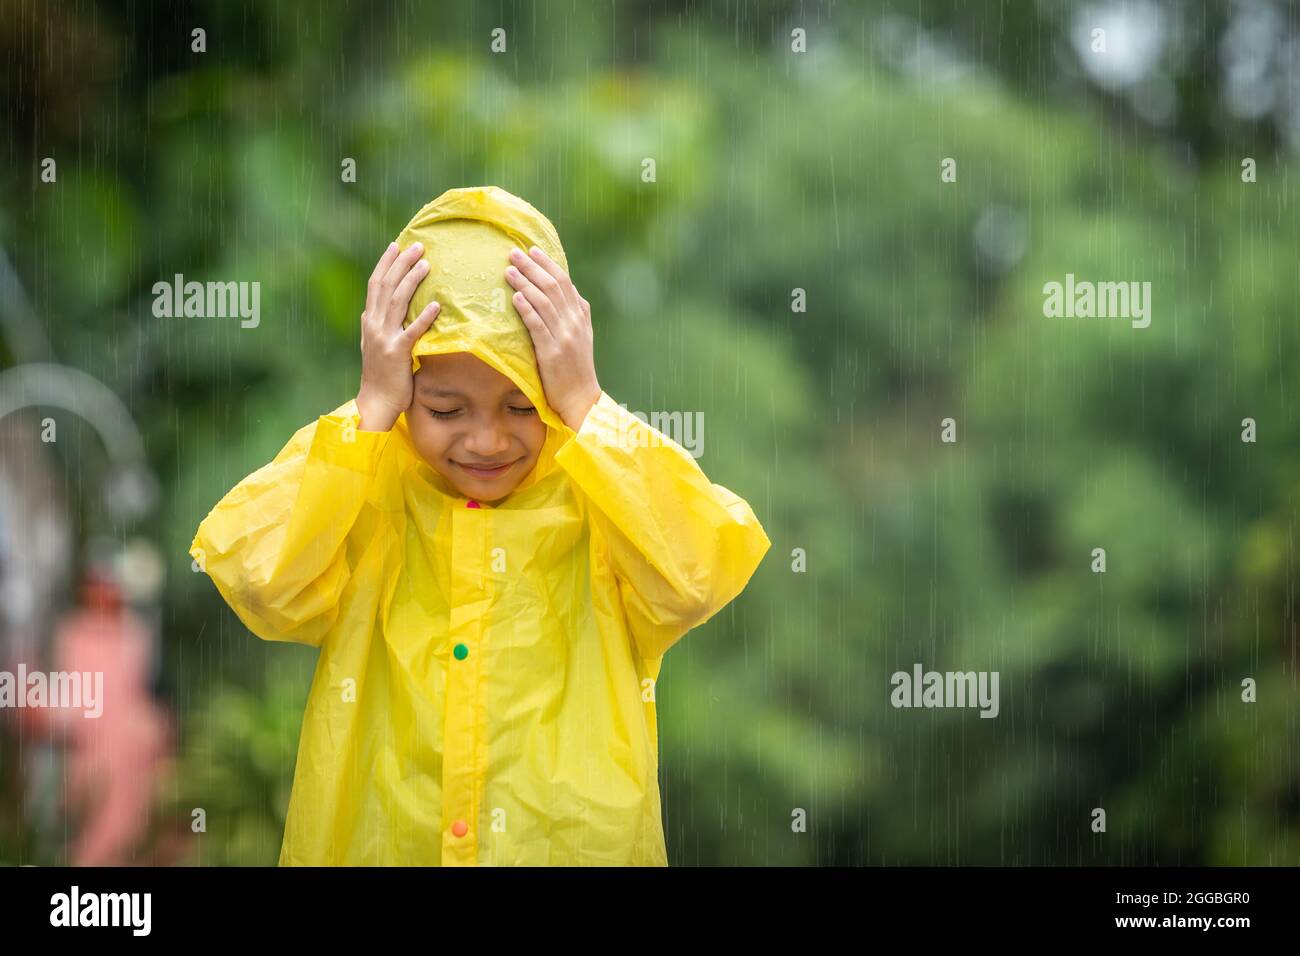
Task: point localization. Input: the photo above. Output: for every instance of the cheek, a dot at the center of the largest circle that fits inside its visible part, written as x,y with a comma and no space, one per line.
534,436
428,437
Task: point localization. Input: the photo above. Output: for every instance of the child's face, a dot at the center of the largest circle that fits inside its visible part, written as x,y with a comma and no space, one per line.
466,416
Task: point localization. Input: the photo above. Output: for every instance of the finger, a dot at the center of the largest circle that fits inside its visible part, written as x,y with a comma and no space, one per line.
381,269
400,301
541,303
386,260
422,322
537,274
555,270
541,335
401,266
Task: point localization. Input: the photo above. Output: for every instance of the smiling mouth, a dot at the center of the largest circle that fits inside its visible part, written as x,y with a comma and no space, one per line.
478,472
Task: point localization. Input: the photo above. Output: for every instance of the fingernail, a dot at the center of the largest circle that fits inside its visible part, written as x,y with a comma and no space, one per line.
392,246
417,245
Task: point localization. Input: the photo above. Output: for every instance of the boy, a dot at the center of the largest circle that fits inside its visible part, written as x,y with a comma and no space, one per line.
492,557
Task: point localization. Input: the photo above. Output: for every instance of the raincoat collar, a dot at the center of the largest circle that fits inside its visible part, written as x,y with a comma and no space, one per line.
467,235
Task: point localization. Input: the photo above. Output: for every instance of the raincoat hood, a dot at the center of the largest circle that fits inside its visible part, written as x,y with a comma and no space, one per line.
467,235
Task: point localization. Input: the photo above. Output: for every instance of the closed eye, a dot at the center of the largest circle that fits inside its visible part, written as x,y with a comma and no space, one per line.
514,410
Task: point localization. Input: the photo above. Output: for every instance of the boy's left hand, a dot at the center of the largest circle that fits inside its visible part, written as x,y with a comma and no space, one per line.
559,321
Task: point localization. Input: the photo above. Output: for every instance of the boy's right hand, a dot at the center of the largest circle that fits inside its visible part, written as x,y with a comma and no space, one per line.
386,378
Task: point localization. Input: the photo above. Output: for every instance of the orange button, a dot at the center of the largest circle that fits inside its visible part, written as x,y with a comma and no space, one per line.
459,828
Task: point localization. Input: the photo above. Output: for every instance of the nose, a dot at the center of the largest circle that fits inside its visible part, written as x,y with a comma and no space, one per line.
487,440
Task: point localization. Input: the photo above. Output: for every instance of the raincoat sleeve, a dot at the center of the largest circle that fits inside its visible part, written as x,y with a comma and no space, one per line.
275,545
681,547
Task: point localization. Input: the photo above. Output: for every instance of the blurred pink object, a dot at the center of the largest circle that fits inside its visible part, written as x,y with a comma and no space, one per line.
114,762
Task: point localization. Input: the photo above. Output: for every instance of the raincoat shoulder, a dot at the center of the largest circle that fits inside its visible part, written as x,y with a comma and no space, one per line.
680,546
284,543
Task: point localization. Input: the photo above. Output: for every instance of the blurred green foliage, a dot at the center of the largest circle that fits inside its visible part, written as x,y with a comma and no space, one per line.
776,171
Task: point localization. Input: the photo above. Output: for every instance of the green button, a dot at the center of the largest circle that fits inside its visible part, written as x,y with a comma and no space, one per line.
461,652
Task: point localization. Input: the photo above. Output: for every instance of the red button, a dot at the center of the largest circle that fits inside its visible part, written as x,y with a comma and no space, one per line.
459,828
471,503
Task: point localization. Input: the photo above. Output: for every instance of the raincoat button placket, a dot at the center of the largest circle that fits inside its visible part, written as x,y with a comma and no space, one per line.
464,739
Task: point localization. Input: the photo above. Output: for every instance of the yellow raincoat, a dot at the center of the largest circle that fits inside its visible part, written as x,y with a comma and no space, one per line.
484,692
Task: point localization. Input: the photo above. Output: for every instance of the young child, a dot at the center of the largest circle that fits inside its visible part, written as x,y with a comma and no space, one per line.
492,556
